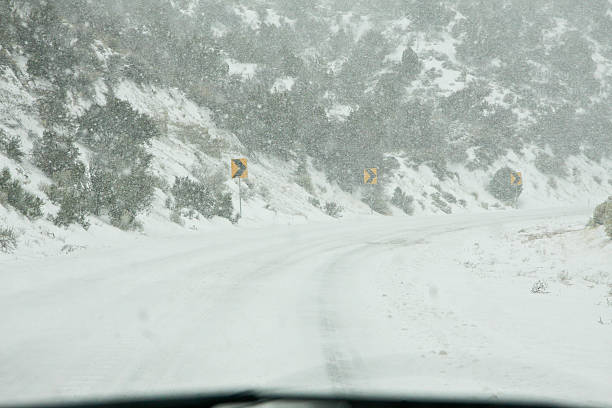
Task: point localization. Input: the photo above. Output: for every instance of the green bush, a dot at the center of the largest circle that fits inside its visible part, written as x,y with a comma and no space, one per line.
122,196
302,178
437,201
117,131
450,198
375,197
8,240
602,215
73,208
58,156
52,108
11,146
248,191
500,186
101,187
55,153
207,198
74,201
315,202
403,201
175,217
599,214
23,201
333,209
122,185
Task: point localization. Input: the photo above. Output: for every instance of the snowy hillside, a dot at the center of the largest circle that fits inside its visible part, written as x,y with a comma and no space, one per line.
270,194
308,116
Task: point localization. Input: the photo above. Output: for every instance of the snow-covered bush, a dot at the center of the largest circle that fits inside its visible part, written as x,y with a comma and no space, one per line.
314,201
122,185
602,215
52,109
175,217
333,209
302,178
8,240
55,153
437,201
248,192
11,146
206,197
120,196
500,186
403,201
411,65
58,157
375,197
13,194
117,130
449,197
74,200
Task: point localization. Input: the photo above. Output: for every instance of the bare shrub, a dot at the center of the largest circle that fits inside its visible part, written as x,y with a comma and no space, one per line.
8,240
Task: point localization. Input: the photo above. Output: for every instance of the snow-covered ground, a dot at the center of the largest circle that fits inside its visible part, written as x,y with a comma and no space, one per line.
410,305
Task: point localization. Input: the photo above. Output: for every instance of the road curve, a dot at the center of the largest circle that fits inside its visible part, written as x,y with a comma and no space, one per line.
300,307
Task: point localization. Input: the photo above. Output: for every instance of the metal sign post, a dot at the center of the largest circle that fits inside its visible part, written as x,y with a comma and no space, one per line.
239,170
370,176
515,196
516,180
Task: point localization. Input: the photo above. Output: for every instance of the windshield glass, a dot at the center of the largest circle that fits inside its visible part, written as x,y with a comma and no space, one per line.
383,197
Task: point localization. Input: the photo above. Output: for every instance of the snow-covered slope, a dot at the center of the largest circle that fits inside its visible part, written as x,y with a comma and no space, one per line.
193,142
276,51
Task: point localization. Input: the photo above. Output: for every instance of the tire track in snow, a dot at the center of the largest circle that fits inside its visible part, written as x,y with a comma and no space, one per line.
204,299
342,362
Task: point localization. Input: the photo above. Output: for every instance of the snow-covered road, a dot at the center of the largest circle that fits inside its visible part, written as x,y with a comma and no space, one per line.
438,304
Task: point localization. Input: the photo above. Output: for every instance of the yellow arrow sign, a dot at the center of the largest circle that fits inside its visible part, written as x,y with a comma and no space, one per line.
516,178
239,168
370,176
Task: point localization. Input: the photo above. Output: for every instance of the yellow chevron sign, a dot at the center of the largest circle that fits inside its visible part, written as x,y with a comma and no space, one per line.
239,168
516,178
370,176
